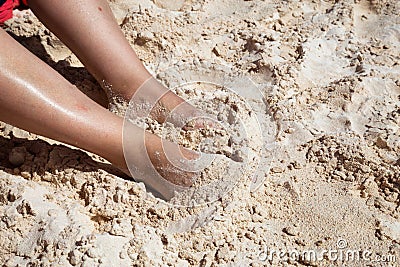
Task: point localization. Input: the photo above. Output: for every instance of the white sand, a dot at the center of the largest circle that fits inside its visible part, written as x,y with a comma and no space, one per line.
330,75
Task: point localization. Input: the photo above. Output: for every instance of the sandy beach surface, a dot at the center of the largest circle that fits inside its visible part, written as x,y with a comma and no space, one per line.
321,188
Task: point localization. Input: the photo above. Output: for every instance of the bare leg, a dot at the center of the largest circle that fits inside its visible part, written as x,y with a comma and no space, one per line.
36,98
90,30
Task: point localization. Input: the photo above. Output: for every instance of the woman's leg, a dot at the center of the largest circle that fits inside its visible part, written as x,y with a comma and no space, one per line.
90,30
36,98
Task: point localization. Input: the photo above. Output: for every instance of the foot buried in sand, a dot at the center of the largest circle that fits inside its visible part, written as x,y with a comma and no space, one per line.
160,104
169,160
171,171
182,115
175,172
